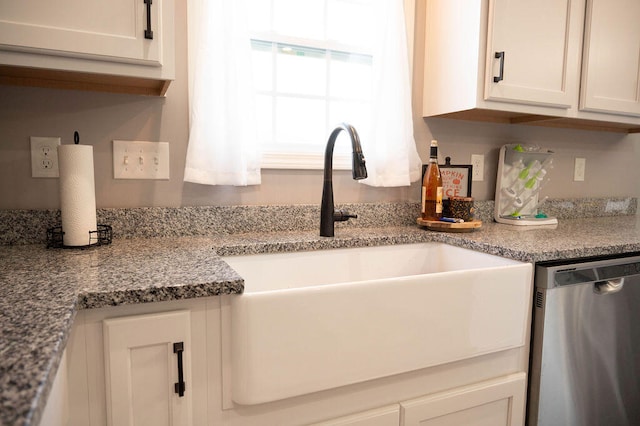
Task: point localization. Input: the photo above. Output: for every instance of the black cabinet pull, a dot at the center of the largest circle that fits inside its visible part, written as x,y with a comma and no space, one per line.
148,33
499,55
179,388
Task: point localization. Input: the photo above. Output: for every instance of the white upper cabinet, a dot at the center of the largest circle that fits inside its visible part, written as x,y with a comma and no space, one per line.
521,61
120,38
503,55
531,46
108,30
611,64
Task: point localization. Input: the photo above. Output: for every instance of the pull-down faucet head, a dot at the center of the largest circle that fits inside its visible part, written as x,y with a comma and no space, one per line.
328,215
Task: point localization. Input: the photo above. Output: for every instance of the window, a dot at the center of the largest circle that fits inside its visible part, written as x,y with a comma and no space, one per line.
312,64
317,63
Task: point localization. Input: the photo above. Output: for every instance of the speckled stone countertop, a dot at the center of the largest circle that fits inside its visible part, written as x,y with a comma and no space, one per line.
41,289
572,238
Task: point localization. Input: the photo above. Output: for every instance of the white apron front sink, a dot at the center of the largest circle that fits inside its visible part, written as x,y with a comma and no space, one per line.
316,320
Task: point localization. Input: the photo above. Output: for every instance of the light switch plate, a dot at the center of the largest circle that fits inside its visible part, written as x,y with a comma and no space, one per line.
579,169
44,157
140,160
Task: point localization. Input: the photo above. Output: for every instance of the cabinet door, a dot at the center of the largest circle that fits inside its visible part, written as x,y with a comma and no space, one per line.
56,411
142,370
384,416
492,403
537,45
112,30
611,63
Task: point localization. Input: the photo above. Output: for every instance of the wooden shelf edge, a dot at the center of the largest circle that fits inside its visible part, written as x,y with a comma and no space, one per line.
507,117
73,80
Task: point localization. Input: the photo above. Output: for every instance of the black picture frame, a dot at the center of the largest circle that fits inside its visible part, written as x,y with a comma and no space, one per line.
456,181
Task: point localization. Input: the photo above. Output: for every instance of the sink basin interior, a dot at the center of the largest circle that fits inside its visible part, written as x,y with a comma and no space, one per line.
278,271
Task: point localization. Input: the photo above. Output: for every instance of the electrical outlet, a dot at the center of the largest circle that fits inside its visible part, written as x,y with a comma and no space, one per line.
477,161
140,160
44,157
579,169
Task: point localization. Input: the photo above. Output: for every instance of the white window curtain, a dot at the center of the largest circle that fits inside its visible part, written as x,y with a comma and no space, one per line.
223,147
391,154
223,144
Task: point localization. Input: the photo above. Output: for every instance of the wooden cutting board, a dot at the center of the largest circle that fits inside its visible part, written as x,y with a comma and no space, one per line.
436,225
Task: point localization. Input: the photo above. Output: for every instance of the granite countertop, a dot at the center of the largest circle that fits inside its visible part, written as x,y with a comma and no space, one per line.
41,289
571,238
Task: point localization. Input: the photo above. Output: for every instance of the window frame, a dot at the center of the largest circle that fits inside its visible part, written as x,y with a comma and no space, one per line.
291,160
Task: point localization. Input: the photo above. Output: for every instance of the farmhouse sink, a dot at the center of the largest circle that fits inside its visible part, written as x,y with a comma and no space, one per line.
316,320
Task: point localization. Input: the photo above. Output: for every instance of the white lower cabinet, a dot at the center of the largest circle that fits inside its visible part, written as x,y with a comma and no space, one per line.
498,402
122,371
495,402
148,369
56,411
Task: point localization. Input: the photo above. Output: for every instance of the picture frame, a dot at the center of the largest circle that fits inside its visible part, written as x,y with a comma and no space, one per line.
456,179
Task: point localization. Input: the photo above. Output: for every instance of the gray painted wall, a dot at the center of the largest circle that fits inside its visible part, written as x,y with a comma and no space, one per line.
612,159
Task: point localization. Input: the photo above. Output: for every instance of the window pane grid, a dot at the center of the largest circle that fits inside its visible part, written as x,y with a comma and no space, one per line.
312,70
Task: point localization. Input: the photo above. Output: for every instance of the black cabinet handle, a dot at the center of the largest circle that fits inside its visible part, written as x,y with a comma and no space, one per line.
179,388
499,55
148,33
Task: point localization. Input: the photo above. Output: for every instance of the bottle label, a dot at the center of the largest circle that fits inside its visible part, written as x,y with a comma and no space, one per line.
424,197
439,200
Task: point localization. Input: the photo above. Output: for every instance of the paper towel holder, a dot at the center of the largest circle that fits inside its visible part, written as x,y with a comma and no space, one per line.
100,237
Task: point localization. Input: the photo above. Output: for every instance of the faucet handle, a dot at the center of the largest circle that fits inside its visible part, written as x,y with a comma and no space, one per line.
343,215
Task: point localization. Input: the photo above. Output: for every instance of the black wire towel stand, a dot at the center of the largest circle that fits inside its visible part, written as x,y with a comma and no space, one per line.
100,237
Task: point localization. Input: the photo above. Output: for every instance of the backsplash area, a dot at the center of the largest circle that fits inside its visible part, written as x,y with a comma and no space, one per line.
19,227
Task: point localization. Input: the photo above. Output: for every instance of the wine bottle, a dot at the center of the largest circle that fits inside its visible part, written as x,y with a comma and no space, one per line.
432,187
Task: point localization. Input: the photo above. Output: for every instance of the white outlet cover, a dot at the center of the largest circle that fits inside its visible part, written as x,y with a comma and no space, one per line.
44,157
477,161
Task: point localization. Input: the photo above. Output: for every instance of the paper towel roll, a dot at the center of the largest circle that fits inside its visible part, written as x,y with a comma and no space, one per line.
77,194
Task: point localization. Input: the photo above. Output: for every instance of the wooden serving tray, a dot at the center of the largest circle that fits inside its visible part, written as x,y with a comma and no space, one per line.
436,225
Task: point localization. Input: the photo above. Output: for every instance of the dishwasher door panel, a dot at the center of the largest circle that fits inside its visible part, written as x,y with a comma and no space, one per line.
587,369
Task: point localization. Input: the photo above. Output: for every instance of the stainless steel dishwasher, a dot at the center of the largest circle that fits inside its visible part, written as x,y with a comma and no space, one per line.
585,354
